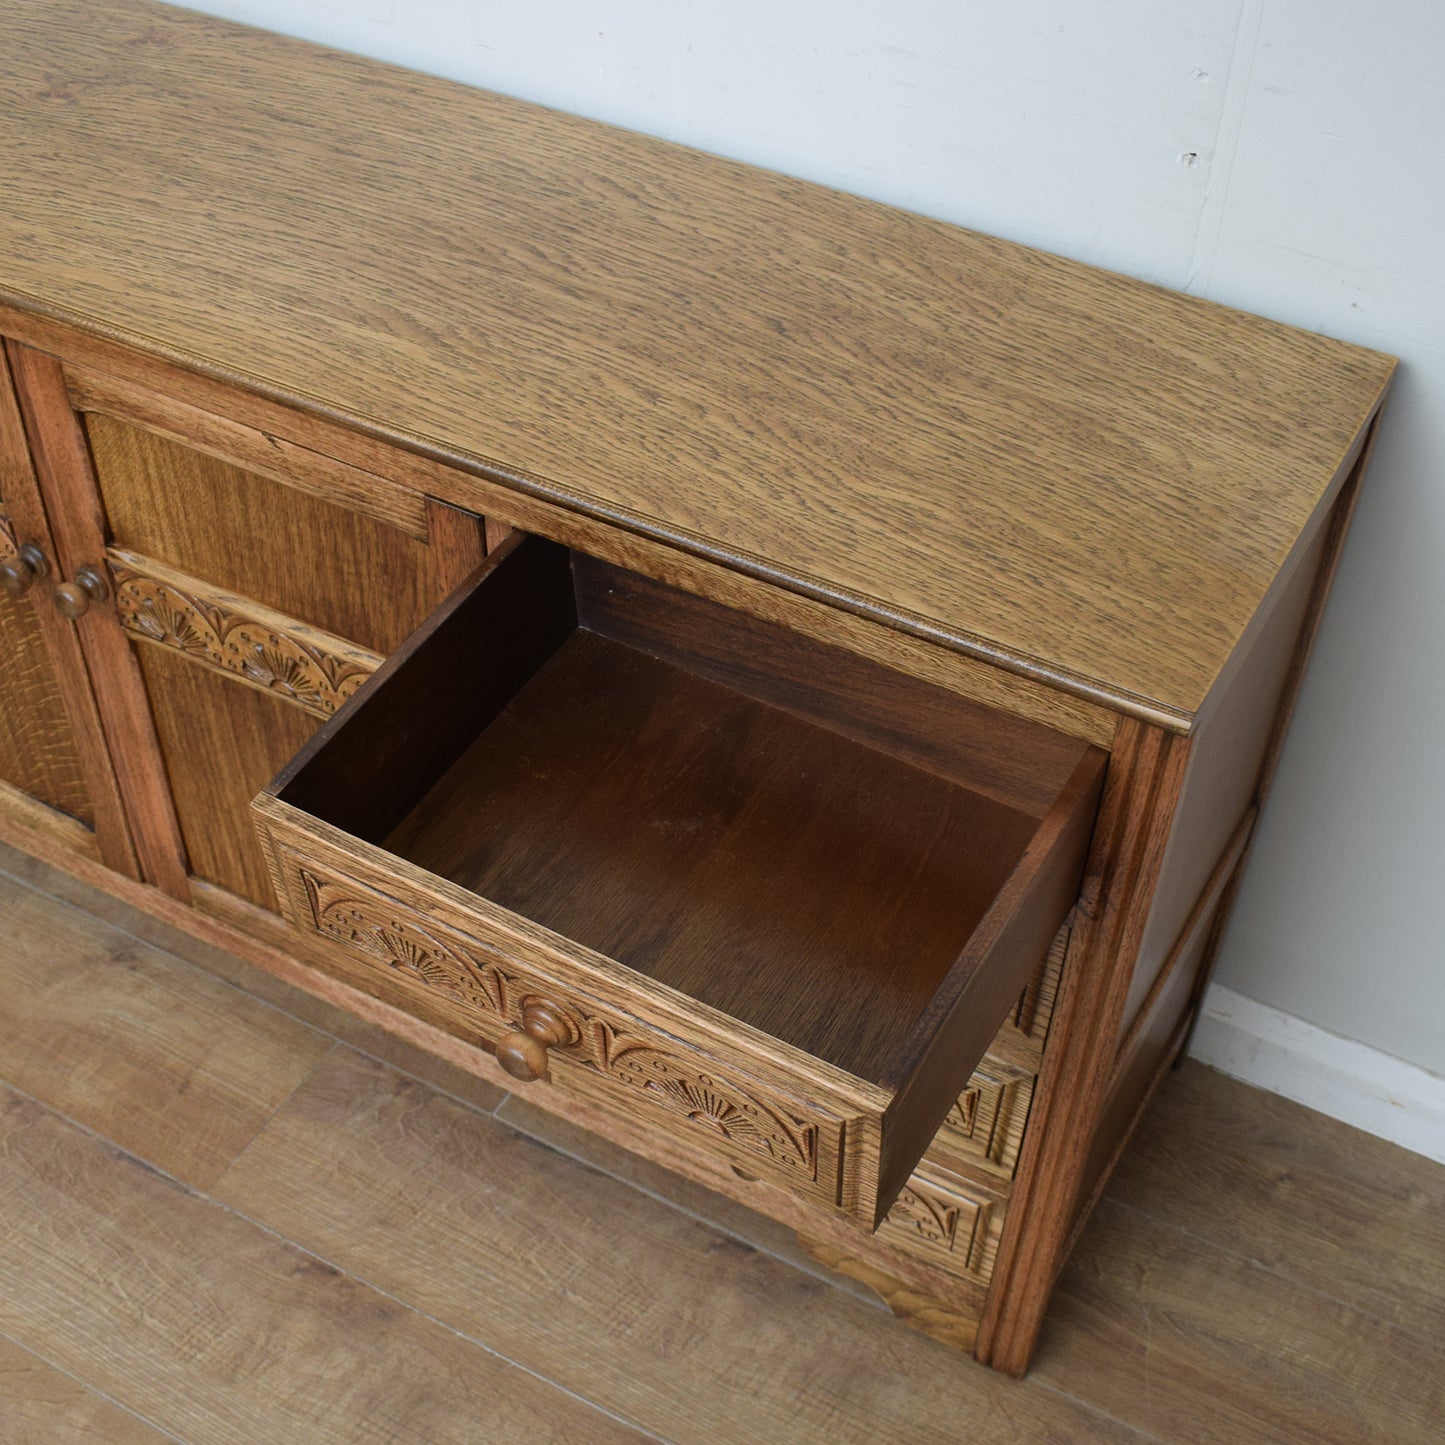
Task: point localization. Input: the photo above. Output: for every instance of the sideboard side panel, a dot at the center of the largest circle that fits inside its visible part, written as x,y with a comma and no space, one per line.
1147,976
1141,792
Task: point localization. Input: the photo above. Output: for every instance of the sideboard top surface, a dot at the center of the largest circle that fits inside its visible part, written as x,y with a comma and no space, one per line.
1081,476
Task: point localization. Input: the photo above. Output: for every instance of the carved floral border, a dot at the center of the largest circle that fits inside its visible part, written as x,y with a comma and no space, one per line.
299,664
704,1098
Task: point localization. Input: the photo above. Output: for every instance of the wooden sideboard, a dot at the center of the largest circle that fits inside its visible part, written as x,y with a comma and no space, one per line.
786,683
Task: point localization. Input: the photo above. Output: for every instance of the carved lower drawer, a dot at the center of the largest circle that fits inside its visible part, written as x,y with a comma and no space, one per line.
473,990
945,1222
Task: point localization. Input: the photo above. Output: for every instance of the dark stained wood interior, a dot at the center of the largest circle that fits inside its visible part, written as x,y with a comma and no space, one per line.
786,872
754,861
1019,762
365,769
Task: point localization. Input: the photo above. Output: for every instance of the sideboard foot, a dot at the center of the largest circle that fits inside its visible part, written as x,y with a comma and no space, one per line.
953,1323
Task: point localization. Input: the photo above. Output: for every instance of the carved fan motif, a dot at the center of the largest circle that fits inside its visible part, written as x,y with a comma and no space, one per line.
301,665
8,546
372,924
964,1113
1035,1007
958,1225
406,948
157,618
269,665
440,970
992,1111
929,1216
718,1106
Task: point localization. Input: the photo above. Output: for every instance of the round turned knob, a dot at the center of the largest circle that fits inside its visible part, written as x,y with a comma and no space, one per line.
523,1052
19,573
74,598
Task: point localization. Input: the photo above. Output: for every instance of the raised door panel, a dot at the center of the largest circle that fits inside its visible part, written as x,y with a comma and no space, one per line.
56,777
221,743
252,585
321,563
38,756
256,608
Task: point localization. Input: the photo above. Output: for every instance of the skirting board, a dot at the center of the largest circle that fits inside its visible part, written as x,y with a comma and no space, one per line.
1347,1080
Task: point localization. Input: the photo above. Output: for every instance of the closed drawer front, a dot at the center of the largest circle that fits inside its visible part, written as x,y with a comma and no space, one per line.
948,1223
695,868
985,1127
1026,1029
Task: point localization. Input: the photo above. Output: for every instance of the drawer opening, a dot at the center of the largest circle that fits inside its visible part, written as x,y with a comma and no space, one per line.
797,837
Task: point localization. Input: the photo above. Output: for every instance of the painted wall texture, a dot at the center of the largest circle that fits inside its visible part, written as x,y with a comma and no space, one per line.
1272,154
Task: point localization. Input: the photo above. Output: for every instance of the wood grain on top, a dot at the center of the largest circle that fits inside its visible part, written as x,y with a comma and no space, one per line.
1083,477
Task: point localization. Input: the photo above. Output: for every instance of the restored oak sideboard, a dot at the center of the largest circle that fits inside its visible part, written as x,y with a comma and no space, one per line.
787,683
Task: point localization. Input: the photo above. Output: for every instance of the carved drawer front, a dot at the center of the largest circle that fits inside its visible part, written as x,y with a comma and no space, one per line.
986,1125
945,1222
475,990
701,865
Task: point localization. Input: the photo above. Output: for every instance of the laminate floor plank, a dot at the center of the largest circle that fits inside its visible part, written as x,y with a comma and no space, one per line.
1192,1343
222,1334
367,1037
40,1405
171,1064
1256,1272
731,1217
681,1329
1350,1215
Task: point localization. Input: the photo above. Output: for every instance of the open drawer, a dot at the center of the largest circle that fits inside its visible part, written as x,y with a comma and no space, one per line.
761,894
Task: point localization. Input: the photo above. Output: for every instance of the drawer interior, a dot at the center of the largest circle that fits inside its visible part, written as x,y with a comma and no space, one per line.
795,836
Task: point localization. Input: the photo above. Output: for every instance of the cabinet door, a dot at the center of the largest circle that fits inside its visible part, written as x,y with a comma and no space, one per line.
55,777
252,584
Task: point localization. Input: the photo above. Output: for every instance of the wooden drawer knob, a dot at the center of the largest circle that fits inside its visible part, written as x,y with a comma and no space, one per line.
20,572
523,1052
74,598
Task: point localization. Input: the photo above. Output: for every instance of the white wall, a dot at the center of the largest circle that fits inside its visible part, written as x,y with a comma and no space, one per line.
1274,154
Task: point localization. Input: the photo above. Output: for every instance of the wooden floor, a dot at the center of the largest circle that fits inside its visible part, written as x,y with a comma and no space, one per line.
228,1213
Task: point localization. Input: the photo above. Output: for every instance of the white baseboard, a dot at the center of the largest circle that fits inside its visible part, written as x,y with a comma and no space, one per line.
1340,1077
